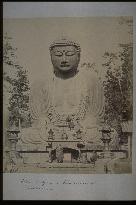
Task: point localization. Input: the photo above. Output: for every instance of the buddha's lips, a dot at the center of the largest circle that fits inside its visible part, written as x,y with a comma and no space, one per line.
64,65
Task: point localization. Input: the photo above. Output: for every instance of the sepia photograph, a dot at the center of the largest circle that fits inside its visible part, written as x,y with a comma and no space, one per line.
68,95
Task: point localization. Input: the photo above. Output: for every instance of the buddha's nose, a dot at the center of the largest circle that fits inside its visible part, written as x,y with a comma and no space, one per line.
64,57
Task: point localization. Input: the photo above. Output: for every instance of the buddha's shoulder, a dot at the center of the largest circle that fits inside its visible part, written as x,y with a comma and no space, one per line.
88,76
40,84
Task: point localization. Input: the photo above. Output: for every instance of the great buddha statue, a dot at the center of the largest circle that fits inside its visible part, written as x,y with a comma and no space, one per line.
68,105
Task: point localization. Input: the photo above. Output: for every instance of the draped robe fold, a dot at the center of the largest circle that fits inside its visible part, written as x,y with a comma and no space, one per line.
81,96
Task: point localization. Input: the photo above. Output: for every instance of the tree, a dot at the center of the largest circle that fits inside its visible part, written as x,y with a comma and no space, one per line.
9,61
118,85
16,84
19,100
127,81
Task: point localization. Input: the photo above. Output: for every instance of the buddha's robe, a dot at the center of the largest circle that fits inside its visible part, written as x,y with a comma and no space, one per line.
53,100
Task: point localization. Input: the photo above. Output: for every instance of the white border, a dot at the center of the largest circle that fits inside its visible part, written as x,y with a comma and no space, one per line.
65,9
106,187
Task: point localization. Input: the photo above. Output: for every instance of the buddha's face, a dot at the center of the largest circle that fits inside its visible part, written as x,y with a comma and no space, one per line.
65,58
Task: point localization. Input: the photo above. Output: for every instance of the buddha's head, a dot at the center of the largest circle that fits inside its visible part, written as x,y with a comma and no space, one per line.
65,57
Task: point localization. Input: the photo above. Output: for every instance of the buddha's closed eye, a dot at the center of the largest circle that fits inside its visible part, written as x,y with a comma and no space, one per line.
58,53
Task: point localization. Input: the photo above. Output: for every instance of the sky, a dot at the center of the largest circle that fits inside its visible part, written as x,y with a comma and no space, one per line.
95,35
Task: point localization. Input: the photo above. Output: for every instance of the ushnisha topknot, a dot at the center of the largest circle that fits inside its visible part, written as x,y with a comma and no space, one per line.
65,42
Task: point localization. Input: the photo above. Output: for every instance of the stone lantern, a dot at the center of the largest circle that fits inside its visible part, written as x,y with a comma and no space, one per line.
106,139
13,138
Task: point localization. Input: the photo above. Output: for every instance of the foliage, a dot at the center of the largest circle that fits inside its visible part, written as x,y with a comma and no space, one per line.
118,84
16,76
